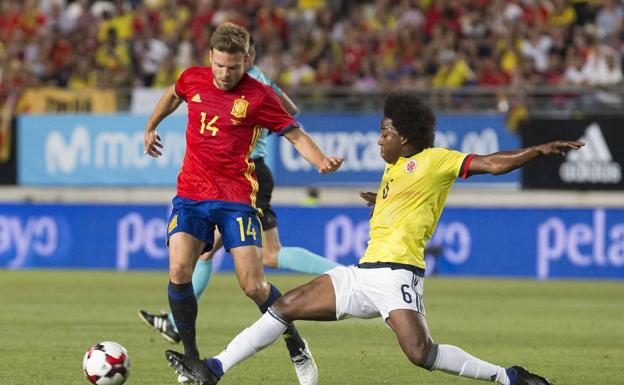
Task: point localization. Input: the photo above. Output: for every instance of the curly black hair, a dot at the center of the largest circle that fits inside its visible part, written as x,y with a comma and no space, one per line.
412,118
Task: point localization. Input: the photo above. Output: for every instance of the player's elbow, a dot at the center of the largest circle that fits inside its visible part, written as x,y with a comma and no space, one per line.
499,169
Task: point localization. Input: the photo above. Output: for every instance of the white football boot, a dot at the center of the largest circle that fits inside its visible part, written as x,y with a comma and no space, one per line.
305,367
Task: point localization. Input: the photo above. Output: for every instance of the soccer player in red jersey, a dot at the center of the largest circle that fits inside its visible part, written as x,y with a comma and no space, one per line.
217,185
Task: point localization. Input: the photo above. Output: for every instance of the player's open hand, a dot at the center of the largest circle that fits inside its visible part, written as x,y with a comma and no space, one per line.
560,147
330,164
369,197
152,144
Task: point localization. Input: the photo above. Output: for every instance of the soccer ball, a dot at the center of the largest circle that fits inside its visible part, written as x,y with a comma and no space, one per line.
106,363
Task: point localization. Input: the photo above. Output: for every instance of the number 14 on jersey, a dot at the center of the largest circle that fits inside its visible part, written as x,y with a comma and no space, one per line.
210,126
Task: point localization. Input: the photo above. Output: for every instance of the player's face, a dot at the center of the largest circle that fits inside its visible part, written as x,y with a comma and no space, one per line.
390,142
227,68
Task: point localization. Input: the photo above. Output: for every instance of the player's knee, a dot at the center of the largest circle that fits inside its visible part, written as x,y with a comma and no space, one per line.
254,290
419,351
287,306
180,272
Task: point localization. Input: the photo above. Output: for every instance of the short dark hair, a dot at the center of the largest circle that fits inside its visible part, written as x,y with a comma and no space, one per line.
230,38
412,118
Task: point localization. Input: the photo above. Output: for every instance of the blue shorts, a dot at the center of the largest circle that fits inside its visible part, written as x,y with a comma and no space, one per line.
238,223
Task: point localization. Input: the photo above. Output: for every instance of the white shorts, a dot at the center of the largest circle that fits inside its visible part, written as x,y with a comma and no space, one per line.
370,293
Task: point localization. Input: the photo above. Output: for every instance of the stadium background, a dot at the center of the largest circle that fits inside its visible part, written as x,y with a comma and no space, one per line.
77,79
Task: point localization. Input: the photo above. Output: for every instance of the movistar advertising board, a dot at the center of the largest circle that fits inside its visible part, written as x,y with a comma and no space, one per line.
107,150
596,166
96,150
542,243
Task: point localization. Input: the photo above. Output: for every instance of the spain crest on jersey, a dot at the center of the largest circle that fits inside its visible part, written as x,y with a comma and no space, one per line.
239,109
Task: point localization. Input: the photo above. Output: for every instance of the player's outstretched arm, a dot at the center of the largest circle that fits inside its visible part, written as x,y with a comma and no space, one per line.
166,105
312,153
505,161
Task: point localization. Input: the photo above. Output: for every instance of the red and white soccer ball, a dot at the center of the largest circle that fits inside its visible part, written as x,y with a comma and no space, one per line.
106,363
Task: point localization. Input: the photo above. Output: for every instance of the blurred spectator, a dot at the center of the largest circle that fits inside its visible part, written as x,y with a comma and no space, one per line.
537,47
366,44
83,76
602,67
297,72
563,14
453,71
573,73
609,19
312,197
149,54
167,74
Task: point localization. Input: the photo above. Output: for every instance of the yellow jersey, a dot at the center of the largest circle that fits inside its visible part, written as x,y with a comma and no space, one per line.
409,202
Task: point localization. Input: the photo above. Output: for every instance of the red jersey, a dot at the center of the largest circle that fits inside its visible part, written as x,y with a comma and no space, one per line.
221,133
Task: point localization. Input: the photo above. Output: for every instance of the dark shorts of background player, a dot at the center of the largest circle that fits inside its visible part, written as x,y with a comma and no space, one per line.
265,191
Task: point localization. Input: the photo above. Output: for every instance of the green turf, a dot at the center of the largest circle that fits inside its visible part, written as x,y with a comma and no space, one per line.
570,331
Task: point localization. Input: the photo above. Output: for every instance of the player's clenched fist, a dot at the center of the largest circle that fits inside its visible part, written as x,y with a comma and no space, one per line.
330,164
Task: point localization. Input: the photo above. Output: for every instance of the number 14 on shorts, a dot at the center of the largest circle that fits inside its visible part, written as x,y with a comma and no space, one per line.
249,231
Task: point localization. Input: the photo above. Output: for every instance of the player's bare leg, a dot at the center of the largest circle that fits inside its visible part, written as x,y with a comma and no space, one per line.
271,247
314,301
184,250
413,335
248,266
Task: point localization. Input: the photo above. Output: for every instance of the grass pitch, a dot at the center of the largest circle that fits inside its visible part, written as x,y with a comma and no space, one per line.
569,331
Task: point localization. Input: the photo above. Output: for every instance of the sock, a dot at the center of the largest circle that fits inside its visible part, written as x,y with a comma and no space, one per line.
513,376
183,306
453,360
273,295
215,366
294,342
201,279
251,340
303,261
201,276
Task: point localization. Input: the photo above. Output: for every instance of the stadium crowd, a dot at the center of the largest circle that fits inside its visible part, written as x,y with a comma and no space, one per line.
367,45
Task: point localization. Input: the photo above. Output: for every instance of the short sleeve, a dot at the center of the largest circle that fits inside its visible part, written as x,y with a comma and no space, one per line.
450,164
181,85
273,116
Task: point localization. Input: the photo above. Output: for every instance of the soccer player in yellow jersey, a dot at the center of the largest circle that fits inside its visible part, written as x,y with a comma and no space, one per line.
388,281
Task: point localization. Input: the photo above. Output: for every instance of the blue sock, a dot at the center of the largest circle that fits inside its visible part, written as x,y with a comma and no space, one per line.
272,297
183,306
215,366
303,261
201,276
201,279
513,375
